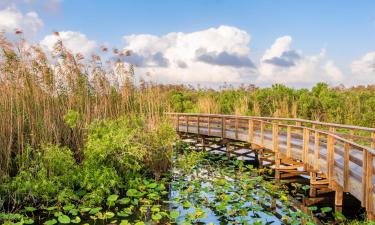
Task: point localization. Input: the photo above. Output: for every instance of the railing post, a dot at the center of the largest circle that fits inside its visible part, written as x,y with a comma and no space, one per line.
187,124
364,178
306,142
346,166
275,143
178,123
373,140
288,141
369,184
222,127
251,131
275,137
262,133
330,158
236,127
198,123
316,150
209,125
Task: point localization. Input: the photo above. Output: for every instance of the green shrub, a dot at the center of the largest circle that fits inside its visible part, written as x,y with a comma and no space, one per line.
49,170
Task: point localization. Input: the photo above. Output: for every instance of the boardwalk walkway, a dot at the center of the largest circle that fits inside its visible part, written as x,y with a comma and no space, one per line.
340,156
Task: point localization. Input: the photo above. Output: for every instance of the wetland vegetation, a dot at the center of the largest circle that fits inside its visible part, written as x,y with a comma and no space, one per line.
78,147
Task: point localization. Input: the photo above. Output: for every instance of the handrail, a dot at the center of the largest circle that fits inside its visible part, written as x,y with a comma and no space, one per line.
345,126
370,138
333,142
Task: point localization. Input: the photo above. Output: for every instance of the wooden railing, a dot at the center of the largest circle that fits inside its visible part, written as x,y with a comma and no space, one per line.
343,154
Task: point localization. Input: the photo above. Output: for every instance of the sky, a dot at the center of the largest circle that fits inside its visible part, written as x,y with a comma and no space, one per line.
209,42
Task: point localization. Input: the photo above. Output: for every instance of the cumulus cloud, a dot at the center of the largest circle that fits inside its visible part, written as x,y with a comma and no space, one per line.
76,42
11,19
281,64
214,55
363,69
223,58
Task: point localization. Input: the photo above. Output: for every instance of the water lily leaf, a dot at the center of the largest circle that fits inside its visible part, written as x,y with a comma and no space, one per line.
152,185
30,209
57,214
124,222
108,215
28,221
64,219
112,198
326,209
95,210
83,210
132,193
73,212
139,223
68,207
124,201
186,204
313,208
155,208
50,222
156,217
174,214
76,220
339,216
51,208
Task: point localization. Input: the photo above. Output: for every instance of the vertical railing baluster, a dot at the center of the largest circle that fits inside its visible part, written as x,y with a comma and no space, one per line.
288,141
306,142
316,150
178,123
198,123
330,159
262,133
369,184
251,131
236,127
187,124
346,166
364,178
209,125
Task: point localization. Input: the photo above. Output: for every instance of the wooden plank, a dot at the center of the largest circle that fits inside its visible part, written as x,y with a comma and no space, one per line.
316,150
262,133
289,141
209,126
346,167
222,127
306,141
369,184
198,119
251,131
330,158
364,179
178,123
236,128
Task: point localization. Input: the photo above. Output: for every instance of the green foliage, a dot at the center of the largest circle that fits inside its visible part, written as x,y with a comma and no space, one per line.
48,173
73,118
189,160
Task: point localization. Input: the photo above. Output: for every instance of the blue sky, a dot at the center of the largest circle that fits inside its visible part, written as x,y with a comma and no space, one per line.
344,29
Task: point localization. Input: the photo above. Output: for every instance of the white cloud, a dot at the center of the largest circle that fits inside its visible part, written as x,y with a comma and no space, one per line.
11,19
76,42
364,65
215,55
281,64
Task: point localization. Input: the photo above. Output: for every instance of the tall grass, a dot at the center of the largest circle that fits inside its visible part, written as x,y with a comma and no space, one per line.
36,95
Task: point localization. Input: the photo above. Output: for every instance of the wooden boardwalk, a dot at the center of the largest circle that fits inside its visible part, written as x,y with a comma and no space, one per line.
336,155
